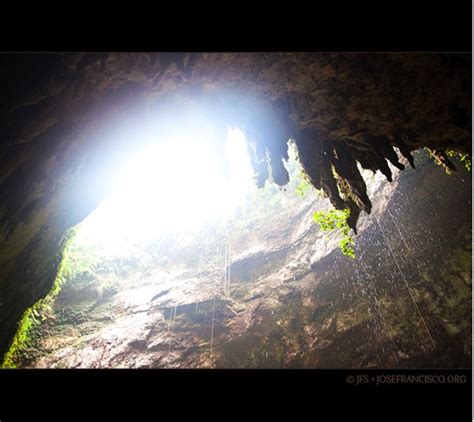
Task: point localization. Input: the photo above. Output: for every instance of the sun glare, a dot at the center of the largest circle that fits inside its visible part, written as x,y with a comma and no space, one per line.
173,184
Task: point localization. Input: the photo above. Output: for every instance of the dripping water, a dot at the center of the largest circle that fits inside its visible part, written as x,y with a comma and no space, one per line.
173,318
227,265
402,238
406,284
212,325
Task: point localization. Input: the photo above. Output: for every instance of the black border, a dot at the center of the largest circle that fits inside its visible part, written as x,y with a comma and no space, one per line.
229,395
353,26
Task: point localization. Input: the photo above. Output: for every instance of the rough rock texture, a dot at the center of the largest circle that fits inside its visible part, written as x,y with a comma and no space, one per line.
67,119
293,301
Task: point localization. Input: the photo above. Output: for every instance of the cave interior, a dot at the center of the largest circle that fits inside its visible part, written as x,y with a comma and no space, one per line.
386,137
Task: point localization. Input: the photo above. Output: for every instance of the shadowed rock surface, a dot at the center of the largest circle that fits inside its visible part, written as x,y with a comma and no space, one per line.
67,118
293,301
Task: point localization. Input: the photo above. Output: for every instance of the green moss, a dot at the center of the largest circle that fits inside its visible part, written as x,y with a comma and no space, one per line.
38,312
20,340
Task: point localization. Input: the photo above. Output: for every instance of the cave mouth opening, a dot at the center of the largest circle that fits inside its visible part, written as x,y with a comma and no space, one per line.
180,214
174,206
175,185
182,206
140,303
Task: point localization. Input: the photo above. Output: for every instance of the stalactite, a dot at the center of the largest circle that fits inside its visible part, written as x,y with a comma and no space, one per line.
354,215
309,147
328,182
371,161
270,136
259,165
405,151
381,146
331,165
55,94
279,174
278,151
346,167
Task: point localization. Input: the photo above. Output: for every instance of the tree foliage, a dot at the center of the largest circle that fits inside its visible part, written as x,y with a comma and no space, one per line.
337,220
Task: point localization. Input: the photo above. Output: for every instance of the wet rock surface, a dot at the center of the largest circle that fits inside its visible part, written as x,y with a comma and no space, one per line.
65,119
293,301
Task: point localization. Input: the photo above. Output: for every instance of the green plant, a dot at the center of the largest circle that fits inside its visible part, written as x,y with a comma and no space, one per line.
20,341
337,220
464,158
302,188
37,313
441,158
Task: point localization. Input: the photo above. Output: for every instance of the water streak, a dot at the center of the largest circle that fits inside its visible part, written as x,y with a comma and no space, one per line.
406,283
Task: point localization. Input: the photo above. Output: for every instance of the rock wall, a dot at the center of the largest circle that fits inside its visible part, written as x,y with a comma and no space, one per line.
292,300
67,118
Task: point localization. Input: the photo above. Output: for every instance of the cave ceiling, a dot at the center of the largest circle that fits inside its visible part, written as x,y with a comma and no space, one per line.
59,114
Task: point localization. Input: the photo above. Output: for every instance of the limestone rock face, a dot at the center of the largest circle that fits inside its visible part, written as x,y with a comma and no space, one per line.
66,119
292,299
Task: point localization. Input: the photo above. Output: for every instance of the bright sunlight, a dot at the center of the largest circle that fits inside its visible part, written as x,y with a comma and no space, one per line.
177,183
